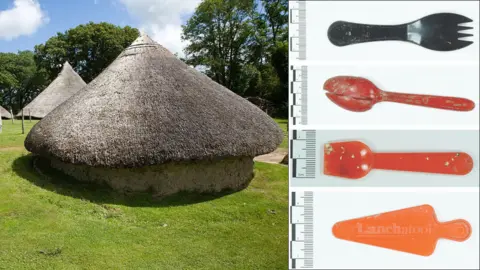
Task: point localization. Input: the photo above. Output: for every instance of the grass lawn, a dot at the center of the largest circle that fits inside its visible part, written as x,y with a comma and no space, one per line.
283,123
54,223
11,135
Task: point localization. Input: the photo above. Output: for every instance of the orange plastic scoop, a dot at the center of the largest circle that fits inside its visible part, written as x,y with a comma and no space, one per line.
353,159
414,230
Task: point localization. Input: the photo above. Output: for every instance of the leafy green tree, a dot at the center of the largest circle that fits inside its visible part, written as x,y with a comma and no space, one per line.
20,80
218,32
89,48
276,16
279,61
241,44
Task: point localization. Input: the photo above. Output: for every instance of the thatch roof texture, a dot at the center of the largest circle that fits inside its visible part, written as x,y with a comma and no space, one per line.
4,113
67,83
150,108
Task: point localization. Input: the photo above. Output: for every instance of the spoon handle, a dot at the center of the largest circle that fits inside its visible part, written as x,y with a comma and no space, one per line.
342,33
439,102
457,163
457,230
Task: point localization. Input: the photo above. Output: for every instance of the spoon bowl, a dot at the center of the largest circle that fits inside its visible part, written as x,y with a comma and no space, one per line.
352,159
352,93
354,87
351,104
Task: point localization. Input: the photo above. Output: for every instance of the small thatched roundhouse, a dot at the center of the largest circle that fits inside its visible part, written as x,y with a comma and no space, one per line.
4,113
67,83
151,122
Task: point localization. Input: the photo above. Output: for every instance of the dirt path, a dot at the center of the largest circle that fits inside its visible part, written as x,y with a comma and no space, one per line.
275,157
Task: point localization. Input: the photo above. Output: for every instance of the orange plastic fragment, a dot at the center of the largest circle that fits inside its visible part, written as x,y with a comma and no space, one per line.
353,159
414,230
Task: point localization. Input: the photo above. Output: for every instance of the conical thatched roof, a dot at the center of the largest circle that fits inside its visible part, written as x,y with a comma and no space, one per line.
67,83
4,113
148,108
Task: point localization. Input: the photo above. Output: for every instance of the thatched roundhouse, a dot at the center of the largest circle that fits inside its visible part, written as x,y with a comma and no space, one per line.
67,83
4,113
151,122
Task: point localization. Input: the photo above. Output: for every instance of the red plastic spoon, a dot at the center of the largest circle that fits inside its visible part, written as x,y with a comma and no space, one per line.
359,94
354,160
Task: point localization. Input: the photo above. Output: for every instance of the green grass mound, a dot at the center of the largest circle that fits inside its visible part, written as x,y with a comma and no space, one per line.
49,221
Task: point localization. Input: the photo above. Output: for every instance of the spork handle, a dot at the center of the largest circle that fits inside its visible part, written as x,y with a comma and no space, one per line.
342,33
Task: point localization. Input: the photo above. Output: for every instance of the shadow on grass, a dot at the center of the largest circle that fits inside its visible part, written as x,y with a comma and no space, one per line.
42,175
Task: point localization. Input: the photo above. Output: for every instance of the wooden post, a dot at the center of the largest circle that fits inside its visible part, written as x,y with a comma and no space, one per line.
23,126
11,114
30,115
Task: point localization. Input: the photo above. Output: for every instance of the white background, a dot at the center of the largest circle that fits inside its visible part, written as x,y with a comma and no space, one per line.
397,67
443,80
321,14
333,253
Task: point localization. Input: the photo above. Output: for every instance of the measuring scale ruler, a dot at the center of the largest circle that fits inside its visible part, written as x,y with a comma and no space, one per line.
303,154
301,230
299,95
298,29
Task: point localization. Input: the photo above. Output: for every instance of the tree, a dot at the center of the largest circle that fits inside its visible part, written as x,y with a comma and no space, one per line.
89,48
279,61
276,16
241,45
20,80
217,34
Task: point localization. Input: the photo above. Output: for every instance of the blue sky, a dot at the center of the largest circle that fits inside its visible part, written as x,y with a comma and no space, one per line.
26,23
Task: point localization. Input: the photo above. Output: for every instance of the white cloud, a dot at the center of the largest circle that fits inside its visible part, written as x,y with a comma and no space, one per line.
162,19
25,17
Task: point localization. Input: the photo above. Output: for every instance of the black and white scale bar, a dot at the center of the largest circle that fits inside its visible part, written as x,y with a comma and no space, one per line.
299,92
302,234
298,16
308,135
302,198
302,30
302,250
303,153
302,264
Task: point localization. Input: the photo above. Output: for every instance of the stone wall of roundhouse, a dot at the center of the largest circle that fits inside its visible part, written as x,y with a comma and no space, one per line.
206,176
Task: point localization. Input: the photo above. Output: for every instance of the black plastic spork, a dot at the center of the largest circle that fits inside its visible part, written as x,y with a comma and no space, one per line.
439,32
